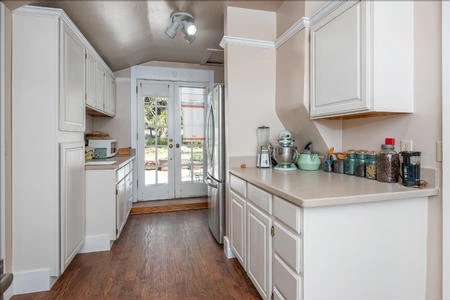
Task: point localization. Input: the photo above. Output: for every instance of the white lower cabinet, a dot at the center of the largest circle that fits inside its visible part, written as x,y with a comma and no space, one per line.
238,229
108,203
72,205
259,250
267,242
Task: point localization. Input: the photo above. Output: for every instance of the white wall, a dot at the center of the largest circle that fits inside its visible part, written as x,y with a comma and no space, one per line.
249,82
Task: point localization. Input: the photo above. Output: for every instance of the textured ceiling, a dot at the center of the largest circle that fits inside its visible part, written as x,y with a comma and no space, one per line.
128,33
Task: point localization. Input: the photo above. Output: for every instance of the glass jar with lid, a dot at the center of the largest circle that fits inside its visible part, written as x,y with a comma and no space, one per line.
371,165
388,165
360,164
349,163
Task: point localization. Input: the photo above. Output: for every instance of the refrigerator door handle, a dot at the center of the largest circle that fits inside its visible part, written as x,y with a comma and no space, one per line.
211,183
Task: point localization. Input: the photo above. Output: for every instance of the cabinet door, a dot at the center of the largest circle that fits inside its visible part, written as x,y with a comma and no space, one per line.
121,205
338,62
91,87
237,234
110,95
259,250
72,200
99,87
129,191
72,86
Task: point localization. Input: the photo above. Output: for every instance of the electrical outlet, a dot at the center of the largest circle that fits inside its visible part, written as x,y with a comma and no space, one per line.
406,145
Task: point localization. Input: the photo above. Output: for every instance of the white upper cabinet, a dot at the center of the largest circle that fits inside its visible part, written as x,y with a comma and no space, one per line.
101,89
72,88
109,95
91,83
362,60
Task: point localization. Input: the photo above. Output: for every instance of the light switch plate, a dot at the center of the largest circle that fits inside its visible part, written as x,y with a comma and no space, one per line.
439,151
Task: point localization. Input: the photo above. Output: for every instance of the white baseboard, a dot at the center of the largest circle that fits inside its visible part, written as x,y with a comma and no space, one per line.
31,281
94,243
227,248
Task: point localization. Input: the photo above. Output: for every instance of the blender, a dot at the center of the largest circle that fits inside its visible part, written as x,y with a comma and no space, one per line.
263,150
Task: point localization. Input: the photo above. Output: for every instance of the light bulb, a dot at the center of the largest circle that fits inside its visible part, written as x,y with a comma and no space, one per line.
191,28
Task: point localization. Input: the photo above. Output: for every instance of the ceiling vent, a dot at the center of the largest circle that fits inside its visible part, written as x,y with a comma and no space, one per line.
212,57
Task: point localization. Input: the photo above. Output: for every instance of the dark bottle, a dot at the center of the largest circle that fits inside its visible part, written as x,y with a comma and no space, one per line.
388,165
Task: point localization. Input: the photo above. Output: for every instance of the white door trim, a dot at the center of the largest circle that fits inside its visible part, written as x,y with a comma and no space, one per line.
446,149
2,132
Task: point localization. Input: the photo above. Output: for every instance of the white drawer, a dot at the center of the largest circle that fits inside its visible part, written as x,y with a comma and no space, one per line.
238,185
259,197
284,280
287,213
288,246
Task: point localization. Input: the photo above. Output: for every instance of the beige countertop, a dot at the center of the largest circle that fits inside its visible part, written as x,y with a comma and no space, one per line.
318,188
120,160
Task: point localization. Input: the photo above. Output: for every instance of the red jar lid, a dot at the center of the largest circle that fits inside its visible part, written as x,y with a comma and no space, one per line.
389,141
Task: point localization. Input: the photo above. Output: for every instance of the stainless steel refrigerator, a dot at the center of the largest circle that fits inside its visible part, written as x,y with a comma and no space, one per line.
215,155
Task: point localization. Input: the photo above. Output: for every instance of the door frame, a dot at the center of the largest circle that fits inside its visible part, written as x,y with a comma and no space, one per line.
160,74
445,149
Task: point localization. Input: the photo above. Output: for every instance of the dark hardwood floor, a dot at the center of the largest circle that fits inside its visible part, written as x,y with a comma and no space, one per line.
158,256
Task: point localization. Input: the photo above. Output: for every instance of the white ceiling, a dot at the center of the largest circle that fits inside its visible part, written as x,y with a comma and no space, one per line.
127,33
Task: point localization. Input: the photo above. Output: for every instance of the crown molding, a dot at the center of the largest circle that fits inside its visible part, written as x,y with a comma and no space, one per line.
302,23
326,10
246,42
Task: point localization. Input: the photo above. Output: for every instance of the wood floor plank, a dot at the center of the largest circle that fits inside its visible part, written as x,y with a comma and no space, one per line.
158,256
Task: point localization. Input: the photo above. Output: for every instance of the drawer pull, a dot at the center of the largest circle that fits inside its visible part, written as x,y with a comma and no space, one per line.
272,231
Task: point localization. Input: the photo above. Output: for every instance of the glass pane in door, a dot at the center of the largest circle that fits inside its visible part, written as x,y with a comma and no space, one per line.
156,136
192,133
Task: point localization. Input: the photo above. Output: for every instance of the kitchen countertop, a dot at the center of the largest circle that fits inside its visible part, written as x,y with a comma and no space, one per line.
120,160
318,188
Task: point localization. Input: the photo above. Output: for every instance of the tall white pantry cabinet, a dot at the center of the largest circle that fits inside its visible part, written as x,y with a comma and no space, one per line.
48,123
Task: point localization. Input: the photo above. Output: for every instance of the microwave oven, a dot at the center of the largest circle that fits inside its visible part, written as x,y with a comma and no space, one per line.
103,148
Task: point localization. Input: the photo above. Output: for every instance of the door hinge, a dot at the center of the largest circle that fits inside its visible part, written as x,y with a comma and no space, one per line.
136,89
272,231
117,231
117,191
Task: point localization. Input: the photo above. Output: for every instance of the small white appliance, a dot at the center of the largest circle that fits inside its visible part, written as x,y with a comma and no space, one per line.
109,146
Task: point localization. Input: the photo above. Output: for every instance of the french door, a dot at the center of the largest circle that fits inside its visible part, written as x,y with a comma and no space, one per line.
170,139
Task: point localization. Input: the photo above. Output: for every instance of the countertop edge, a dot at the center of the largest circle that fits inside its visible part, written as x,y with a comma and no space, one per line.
121,160
348,199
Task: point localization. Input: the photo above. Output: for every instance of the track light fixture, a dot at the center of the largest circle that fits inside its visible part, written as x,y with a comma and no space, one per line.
188,27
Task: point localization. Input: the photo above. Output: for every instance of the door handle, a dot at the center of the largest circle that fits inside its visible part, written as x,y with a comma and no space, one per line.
170,146
211,183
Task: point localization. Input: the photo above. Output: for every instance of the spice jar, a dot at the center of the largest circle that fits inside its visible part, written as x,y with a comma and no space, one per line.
388,164
338,166
360,164
371,165
350,161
